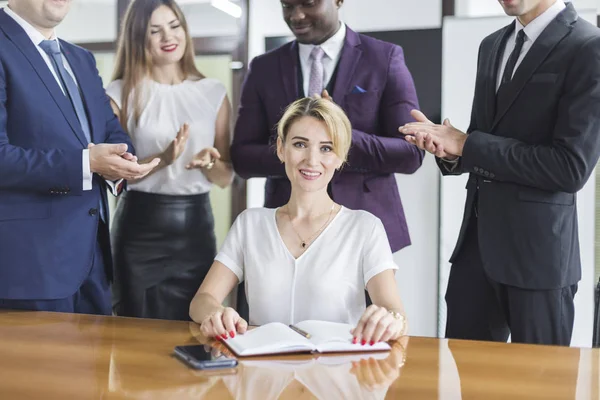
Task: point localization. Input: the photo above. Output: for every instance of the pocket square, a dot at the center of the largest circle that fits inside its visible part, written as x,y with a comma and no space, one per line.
358,89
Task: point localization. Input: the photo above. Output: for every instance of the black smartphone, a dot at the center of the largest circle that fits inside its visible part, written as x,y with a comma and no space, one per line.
197,357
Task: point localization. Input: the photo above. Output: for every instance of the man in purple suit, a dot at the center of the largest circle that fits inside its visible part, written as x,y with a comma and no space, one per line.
366,77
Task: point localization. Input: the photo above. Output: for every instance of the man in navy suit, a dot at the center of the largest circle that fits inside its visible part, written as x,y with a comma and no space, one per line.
60,145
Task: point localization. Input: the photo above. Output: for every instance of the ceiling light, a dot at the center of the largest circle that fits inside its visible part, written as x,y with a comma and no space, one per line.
228,7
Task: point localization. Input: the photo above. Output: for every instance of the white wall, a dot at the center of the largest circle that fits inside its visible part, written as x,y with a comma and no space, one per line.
461,38
95,21
417,278
487,8
90,21
362,15
206,20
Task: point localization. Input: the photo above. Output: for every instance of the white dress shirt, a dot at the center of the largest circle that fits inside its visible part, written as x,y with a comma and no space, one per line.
532,31
332,48
327,282
166,109
37,38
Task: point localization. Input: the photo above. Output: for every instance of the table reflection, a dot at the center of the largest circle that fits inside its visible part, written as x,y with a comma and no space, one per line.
356,376
70,356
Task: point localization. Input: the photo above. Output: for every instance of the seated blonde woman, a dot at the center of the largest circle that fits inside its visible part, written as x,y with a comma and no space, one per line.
311,258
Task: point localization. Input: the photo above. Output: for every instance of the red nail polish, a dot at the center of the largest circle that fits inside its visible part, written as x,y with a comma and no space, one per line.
232,334
371,343
354,341
363,342
224,337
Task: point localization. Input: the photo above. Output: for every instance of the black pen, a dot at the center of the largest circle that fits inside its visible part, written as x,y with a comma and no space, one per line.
300,331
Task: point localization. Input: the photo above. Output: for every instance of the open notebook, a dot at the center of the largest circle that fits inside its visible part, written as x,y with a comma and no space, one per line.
277,338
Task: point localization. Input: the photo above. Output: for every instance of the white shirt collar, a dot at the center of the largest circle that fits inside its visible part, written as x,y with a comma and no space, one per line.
332,46
35,35
535,28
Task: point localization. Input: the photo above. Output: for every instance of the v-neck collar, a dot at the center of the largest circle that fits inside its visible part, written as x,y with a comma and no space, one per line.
287,250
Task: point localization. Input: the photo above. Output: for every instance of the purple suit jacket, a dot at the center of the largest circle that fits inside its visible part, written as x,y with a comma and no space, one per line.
375,89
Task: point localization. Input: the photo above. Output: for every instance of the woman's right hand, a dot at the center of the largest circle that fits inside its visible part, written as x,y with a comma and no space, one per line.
177,146
223,324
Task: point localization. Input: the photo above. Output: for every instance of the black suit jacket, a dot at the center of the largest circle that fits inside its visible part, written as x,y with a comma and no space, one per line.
529,150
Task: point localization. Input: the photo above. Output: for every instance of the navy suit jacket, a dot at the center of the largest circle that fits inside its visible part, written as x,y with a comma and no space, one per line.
48,224
376,91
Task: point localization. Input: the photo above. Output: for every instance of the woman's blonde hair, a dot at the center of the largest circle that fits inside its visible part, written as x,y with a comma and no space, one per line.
338,124
134,61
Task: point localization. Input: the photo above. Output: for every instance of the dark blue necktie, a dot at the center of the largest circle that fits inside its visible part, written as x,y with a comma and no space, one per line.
51,48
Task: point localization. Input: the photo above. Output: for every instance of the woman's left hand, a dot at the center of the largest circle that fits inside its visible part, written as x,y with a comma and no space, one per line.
377,325
204,158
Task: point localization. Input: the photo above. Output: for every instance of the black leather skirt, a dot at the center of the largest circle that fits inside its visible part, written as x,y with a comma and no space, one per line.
163,247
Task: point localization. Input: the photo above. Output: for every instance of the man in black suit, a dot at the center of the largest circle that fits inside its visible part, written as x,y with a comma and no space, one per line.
533,141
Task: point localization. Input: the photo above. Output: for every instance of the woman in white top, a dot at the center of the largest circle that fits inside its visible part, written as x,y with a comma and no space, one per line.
311,258
163,234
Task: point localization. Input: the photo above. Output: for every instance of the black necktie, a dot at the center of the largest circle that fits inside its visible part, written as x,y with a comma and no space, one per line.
514,56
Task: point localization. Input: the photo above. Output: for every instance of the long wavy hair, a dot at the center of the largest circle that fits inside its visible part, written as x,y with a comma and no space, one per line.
134,61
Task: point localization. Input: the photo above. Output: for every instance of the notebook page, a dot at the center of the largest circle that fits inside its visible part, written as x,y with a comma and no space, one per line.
269,339
335,336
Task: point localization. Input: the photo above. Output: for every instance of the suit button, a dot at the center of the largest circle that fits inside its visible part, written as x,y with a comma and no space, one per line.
476,169
93,211
492,176
486,173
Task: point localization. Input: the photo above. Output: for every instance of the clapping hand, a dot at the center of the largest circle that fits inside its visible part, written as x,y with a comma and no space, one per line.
443,141
204,158
113,162
177,146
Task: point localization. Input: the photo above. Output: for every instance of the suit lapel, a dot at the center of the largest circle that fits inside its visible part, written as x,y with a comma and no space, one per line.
19,37
349,59
493,65
557,29
85,89
288,63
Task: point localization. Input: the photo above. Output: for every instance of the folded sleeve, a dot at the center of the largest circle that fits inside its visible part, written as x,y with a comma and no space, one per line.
232,252
377,253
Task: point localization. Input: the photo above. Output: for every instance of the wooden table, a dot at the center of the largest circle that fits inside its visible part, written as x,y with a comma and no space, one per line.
68,356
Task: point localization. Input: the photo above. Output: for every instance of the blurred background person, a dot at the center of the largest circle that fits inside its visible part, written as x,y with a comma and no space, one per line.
163,235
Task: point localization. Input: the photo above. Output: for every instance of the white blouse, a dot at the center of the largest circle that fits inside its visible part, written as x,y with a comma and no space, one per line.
327,282
165,109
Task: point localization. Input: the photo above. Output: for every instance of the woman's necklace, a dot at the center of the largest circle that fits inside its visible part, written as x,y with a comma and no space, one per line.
304,243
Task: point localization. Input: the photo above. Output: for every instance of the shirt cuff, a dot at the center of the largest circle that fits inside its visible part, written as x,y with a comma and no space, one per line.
450,164
87,170
114,186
